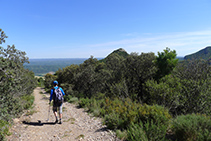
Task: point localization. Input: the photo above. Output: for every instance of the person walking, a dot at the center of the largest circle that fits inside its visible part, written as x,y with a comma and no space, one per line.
57,94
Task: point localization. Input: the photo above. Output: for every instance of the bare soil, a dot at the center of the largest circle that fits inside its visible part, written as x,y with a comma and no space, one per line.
77,123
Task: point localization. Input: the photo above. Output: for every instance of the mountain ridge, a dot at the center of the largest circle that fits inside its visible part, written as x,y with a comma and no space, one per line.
201,54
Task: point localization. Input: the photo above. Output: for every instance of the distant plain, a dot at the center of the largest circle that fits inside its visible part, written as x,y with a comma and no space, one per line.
40,67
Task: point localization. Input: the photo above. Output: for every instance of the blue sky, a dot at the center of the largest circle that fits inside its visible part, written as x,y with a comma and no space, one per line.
81,28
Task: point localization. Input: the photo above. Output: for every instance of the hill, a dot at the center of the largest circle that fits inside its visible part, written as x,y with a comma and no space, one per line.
42,66
202,54
120,52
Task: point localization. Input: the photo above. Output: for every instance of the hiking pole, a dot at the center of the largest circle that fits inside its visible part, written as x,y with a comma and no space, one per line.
48,112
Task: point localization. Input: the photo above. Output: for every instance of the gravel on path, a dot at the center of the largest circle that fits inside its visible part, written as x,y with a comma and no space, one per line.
77,124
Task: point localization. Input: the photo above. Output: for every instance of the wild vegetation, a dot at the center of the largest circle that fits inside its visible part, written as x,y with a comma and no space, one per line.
140,96
16,85
143,96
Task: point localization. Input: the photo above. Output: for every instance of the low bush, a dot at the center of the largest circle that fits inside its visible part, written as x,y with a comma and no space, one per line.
138,121
94,106
10,108
135,132
114,121
192,127
147,131
155,113
83,102
125,111
27,101
4,129
121,114
70,99
67,97
153,122
155,131
122,135
73,100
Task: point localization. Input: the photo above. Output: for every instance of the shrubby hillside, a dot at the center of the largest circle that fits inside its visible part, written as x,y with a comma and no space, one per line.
143,96
201,54
16,85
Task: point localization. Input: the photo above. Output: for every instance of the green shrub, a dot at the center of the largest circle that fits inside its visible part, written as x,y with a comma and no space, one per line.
153,120
67,97
84,102
146,131
127,115
99,96
81,95
126,112
156,114
192,127
155,131
96,107
40,81
113,121
11,108
166,92
73,100
70,99
102,112
122,113
135,132
27,101
122,135
4,129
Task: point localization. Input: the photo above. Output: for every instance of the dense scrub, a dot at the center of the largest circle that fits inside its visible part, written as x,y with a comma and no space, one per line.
139,91
192,127
16,85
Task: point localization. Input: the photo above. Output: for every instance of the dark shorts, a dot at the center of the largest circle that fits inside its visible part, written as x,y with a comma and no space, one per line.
57,106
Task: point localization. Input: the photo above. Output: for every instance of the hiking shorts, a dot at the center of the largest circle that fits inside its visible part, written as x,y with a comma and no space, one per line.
55,107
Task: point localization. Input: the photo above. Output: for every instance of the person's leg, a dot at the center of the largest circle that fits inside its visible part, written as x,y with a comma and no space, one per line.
55,112
60,114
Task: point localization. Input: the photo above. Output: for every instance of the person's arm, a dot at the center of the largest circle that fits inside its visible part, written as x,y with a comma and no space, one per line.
62,91
51,96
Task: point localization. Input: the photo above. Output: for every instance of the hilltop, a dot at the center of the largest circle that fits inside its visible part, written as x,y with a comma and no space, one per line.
201,54
121,52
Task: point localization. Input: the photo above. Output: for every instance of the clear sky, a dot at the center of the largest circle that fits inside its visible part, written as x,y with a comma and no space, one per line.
81,28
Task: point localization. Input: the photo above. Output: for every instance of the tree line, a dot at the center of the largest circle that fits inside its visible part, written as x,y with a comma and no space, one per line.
159,81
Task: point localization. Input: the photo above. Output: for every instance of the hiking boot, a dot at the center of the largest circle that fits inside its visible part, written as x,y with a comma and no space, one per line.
56,121
60,122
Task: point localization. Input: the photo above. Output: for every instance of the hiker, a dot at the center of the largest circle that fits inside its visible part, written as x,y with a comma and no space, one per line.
57,94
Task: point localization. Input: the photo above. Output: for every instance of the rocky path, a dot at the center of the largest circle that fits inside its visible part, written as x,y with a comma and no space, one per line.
77,124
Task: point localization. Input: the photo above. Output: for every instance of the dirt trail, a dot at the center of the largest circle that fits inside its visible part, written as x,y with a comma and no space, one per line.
77,124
